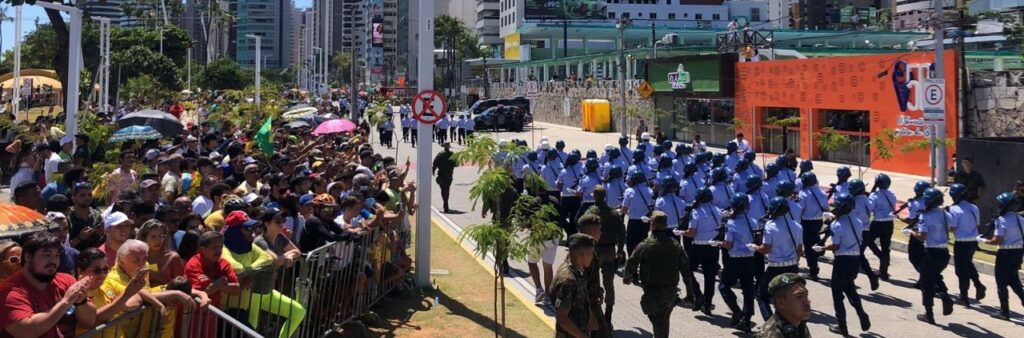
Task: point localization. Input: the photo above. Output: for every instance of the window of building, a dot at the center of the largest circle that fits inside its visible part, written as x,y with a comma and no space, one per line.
716,17
654,15
669,2
698,16
755,14
671,16
625,15
611,15
686,15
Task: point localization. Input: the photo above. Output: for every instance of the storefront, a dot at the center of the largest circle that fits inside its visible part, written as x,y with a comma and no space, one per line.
786,105
698,91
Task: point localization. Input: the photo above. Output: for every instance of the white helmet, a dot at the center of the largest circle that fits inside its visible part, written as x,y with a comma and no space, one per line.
608,147
645,136
545,145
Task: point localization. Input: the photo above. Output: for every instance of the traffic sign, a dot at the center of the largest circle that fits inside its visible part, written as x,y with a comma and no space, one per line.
532,89
934,97
428,107
644,89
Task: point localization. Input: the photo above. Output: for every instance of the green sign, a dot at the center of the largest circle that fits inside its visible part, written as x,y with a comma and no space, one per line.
699,75
679,78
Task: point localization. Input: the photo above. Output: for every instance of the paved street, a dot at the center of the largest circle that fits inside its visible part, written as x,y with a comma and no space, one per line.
893,307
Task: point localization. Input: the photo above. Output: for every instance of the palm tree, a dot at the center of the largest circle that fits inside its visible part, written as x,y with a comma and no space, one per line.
4,17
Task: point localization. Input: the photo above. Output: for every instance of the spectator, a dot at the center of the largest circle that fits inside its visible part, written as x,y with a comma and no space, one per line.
320,228
86,221
69,255
274,242
168,263
37,298
252,180
742,146
10,259
118,228
209,272
28,195
48,152
62,186
212,197
122,178
972,179
92,264
698,145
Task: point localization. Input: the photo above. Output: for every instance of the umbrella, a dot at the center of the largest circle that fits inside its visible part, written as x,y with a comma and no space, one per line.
16,220
135,133
299,124
164,123
298,113
299,106
334,126
328,116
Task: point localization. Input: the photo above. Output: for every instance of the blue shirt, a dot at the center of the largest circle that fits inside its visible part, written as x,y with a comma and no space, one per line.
860,209
812,203
640,201
934,225
673,208
787,174
444,123
965,220
587,185
758,205
614,192
784,235
470,125
847,233
679,163
688,188
740,231
1008,226
550,173
641,167
914,208
794,210
731,160
882,203
570,179
626,154
705,222
769,187
534,166
721,195
757,170
739,182
842,187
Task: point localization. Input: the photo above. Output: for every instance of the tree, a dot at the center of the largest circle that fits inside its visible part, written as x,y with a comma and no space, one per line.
139,60
144,90
176,41
342,63
224,73
4,17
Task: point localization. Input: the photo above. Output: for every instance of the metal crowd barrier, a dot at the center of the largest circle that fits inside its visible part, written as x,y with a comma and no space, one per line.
325,288
140,323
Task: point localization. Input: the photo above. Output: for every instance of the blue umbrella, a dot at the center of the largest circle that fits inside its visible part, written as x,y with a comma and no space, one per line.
135,133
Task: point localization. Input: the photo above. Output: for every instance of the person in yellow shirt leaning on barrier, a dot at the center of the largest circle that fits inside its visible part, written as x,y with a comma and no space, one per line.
249,263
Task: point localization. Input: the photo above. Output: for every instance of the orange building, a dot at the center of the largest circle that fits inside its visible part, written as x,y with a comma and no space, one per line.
857,96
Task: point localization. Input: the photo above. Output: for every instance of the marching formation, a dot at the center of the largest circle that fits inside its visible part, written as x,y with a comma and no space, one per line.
667,211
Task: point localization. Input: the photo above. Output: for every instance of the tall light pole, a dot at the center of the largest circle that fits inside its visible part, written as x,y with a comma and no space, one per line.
104,75
16,88
74,63
257,61
163,7
425,66
939,134
621,26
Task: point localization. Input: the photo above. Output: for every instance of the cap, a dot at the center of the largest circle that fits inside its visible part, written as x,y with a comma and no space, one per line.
115,218
66,139
147,183
249,160
645,136
191,138
53,216
306,199
252,166
250,197
588,219
782,281
239,218
659,219
577,241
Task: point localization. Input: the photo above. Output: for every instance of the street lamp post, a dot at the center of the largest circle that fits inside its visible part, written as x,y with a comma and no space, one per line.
258,61
621,26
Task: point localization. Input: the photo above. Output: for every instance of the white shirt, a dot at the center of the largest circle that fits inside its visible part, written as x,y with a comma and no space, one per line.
742,146
202,205
23,175
51,166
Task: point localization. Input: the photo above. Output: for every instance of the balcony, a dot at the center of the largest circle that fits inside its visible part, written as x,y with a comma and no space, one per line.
483,6
482,23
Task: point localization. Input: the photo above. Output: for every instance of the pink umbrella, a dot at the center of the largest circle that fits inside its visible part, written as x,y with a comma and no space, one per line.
334,126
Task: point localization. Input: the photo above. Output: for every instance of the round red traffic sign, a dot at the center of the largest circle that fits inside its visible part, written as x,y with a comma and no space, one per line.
428,107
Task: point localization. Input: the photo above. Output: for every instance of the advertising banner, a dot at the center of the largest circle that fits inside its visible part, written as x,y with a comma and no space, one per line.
566,9
378,32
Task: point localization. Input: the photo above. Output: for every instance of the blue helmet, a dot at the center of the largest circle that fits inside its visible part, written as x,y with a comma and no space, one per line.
577,153
703,195
808,179
731,147
638,157
843,173
615,172
753,183
778,207
957,192
531,156
666,144
806,165
687,150
637,178
718,175
552,155
785,189
882,181
750,156
718,160
658,150
742,165
591,165
664,162
771,170
614,153
560,145
623,141
932,198
680,149
572,159
689,169
591,154
669,184
844,204
1007,201
857,187
739,203
781,161
703,157
920,187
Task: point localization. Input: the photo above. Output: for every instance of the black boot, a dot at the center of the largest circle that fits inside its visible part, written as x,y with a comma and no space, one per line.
873,279
608,317
839,329
1003,314
979,291
745,325
865,321
737,317
947,305
964,301
927,317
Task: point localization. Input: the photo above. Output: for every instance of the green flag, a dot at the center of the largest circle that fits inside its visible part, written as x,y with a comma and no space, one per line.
265,138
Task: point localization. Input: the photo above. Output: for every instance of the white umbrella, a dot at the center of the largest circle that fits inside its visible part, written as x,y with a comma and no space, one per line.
298,113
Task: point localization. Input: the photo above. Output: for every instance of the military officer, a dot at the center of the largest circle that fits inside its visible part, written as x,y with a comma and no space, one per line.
590,225
1009,229
575,317
966,217
847,232
933,231
782,249
656,265
790,297
610,247
813,204
741,265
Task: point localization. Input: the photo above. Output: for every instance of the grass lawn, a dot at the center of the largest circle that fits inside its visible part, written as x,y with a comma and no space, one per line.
467,302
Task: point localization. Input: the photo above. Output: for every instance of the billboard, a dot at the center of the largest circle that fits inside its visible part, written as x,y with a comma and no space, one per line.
378,32
512,46
566,9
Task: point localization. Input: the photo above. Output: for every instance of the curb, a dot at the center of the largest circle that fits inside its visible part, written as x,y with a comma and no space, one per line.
983,267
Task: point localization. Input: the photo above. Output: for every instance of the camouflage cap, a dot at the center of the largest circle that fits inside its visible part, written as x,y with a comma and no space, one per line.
782,281
659,219
588,219
578,241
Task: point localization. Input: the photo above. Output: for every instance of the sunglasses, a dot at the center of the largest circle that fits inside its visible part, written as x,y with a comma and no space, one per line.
14,260
101,271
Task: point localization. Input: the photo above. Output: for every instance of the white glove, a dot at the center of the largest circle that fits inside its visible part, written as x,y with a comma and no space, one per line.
907,231
751,246
818,248
714,244
645,219
981,239
678,232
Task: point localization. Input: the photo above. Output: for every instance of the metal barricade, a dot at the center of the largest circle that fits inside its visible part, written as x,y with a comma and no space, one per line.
141,322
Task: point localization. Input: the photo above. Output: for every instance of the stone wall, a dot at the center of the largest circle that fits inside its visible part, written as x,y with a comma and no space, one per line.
550,105
995,104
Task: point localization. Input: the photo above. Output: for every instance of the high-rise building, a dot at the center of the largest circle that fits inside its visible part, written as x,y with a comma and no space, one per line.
263,18
118,11
837,14
464,10
207,22
488,25
402,38
295,39
913,15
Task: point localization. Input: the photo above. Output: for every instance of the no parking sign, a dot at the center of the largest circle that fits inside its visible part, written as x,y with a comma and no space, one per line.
428,107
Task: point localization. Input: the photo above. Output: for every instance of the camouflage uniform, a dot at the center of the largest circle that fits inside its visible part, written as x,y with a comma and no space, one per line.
613,237
570,288
776,327
660,259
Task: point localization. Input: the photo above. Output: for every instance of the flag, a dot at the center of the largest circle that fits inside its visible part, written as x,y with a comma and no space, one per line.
265,138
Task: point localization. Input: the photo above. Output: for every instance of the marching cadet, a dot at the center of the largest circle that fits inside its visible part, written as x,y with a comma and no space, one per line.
704,165
843,175
684,156
615,159
568,182
690,183
665,168
751,157
703,228
552,168
785,172
790,296
1009,228
813,204
656,265
637,202
607,150
914,206
388,131
846,238
406,126
757,208
741,235
575,316
721,193
543,148
787,190
468,127
862,212
645,141
652,161
442,128
615,188
610,247
771,179
781,247
732,158
667,145
933,231
966,217
739,177
627,154
882,204
590,225
806,166
590,180
670,203
560,149
640,165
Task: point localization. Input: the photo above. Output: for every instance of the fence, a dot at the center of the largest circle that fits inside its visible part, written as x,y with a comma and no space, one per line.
322,290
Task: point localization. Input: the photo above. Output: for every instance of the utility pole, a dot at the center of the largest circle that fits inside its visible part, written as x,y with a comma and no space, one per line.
16,88
104,73
258,61
621,26
938,137
425,61
962,74
354,104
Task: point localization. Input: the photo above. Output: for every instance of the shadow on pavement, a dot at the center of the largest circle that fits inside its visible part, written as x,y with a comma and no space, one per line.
965,331
397,314
821,317
884,299
639,333
901,283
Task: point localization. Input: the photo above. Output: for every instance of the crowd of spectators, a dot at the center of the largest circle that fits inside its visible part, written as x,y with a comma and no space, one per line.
192,221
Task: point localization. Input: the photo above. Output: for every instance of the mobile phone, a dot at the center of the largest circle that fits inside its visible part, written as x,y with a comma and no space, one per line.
142,272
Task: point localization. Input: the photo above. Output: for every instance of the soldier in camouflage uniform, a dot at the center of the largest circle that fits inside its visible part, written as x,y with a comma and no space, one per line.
792,308
610,247
590,224
660,261
569,291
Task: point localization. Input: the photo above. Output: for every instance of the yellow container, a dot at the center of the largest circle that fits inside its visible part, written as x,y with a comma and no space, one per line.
601,116
587,115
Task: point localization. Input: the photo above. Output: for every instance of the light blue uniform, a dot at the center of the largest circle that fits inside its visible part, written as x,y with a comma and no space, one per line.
860,209
739,231
550,173
721,195
812,203
1009,226
758,204
688,188
882,203
570,179
934,225
784,235
705,223
587,185
673,208
965,221
614,192
847,234
639,199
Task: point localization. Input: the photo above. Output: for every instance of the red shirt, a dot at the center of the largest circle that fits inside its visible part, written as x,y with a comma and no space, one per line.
22,300
195,267
111,256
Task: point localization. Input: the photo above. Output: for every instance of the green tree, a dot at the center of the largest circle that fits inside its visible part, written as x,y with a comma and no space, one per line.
176,41
4,18
223,74
145,90
342,64
139,60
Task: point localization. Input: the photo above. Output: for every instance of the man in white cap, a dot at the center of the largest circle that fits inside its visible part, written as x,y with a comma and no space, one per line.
118,228
645,139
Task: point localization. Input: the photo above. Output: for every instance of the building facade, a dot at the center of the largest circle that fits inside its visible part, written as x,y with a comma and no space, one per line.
263,18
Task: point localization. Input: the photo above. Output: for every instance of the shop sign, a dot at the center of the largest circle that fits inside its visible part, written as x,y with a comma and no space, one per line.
908,126
679,78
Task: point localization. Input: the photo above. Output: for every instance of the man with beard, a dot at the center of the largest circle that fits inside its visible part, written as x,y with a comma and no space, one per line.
37,298
86,222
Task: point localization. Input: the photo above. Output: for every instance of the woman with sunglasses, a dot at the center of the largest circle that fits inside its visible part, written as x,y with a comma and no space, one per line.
10,259
93,262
